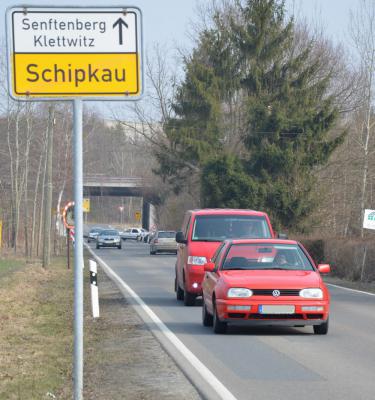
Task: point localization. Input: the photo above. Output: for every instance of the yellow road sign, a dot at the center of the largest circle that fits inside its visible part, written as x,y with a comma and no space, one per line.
71,52
86,205
138,216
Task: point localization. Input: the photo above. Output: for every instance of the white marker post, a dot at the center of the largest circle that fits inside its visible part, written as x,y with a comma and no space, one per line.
94,289
75,53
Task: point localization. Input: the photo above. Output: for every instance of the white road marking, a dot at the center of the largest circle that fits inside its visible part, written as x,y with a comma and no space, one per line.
349,289
205,373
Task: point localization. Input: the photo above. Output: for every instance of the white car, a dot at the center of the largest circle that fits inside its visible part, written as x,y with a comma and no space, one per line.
131,233
142,235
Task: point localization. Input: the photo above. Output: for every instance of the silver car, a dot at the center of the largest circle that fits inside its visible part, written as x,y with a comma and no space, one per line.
108,238
93,234
163,241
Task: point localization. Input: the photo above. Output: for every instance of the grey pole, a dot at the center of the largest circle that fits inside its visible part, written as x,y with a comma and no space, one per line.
78,251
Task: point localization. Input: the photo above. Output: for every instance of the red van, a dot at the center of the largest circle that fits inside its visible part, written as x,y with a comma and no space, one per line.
202,232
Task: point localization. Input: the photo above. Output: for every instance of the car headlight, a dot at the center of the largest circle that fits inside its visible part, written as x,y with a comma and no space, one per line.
196,260
239,292
311,293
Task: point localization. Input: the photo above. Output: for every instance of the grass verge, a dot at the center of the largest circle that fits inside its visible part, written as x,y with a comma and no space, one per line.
35,330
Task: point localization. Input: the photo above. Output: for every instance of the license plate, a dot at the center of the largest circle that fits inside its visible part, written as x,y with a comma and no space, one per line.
280,309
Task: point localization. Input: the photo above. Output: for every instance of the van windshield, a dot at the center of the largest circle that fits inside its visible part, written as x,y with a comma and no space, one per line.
216,228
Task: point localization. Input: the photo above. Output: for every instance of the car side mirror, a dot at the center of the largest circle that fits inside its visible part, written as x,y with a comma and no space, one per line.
180,238
209,267
324,268
282,235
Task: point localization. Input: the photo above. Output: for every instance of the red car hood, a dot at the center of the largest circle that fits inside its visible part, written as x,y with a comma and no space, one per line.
273,279
203,249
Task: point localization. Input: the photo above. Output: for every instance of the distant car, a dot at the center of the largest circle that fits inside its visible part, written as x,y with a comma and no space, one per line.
264,282
93,234
142,235
150,235
131,233
108,238
163,241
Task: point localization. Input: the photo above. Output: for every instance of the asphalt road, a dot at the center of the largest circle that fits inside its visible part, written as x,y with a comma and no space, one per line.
263,363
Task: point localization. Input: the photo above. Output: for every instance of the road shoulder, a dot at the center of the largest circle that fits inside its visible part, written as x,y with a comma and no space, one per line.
126,361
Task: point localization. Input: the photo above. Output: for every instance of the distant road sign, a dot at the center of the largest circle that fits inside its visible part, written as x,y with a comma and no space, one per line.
86,205
75,52
369,219
138,215
68,215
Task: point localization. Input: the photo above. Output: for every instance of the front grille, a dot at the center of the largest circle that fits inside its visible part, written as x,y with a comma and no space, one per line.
283,292
314,316
275,316
236,315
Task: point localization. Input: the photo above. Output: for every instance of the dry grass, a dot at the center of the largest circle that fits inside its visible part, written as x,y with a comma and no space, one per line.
35,332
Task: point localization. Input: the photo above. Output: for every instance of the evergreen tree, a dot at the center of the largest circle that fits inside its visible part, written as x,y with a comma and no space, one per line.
289,114
290,111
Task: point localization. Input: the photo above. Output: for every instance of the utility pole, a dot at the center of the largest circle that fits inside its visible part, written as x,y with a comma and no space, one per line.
48,190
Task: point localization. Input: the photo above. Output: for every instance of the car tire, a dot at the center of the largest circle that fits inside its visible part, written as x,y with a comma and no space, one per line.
321,329
97,246
119,247
207,318
88,240
189,298
152,252
178,290
219,326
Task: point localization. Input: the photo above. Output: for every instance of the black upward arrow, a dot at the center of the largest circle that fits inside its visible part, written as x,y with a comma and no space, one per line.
120,22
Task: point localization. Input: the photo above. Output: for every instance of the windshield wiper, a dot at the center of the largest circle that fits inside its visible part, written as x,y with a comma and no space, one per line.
234,268
278,268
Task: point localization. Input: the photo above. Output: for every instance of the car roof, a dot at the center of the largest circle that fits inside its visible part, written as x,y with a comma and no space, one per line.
227,211
261,241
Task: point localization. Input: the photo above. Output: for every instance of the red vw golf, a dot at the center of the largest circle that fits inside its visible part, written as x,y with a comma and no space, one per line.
264,282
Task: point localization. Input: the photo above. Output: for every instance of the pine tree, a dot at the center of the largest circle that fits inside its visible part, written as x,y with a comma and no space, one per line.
284,89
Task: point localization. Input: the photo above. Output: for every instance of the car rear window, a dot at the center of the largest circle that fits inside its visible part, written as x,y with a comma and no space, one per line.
216,228
167,234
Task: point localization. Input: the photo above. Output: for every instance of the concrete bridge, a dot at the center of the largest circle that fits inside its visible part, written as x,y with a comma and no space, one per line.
103,185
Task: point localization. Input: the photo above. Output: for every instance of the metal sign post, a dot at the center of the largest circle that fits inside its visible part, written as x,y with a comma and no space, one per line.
75,53
78,249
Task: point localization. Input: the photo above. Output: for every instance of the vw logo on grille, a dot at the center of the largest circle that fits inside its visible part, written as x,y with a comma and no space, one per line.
276,293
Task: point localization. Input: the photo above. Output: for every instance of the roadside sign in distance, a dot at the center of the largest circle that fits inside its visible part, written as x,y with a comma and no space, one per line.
65,53
68,215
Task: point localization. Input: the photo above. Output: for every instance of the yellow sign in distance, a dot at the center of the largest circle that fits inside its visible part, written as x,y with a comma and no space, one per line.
75,52
138,216
86,205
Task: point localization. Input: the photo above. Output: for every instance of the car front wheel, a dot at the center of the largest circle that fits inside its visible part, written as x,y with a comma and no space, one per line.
178,290
207,318
321,329
97,246
189,298
219,326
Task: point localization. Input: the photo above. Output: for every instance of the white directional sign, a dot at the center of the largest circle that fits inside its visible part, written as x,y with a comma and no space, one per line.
75,52
369,219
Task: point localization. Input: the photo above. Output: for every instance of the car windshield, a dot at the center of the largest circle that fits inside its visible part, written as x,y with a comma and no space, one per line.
167,235
216,228
109,233
95,230
266,257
